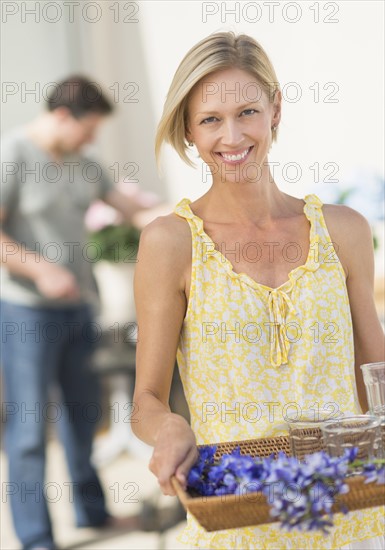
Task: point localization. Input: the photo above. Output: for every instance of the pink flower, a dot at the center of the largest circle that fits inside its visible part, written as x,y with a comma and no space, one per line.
99,214
146,199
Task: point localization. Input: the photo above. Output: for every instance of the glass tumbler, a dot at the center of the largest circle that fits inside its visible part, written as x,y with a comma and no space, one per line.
305,433
374,379
362,431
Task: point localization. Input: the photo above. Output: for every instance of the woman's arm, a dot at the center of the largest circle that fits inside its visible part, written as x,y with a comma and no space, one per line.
159,285
351,232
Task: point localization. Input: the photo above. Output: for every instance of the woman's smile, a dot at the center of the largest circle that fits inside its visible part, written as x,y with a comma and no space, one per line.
234,157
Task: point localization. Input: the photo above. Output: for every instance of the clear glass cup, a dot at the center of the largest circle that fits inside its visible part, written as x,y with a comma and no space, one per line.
362,431
374,379
305,431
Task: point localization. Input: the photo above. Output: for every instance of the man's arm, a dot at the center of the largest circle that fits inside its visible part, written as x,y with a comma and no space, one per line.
51,280
136,210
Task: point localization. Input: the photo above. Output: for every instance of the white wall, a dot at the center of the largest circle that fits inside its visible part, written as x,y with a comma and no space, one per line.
34,52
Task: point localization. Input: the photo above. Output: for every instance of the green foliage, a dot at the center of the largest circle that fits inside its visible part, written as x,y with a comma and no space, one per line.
116,243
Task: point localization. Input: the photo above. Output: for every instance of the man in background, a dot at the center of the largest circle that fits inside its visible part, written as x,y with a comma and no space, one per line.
48,294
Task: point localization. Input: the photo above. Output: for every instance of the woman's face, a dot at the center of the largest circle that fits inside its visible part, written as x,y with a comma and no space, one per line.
229,120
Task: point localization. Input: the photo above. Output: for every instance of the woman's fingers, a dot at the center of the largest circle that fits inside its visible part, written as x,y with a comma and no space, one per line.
165,483
164,468
175,453
184,468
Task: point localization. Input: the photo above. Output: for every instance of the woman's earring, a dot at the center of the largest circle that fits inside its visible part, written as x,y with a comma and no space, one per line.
190,143
273,128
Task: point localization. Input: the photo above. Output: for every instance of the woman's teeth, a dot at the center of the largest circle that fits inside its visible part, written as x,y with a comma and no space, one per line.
240,156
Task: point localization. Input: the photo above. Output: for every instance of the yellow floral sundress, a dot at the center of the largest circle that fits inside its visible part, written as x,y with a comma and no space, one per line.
250,355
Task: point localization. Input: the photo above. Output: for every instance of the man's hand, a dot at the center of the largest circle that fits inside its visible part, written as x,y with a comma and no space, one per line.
56,282
137,207
53,281
144,217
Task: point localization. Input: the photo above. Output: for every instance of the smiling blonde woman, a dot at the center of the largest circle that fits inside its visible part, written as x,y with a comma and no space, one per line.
264,298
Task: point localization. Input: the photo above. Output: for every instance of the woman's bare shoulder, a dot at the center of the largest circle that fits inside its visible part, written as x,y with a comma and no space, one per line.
350,233
167,239
344,221
172,229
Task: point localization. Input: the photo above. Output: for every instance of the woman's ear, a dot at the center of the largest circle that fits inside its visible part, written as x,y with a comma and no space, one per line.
187,133
187,128
277,104
189,139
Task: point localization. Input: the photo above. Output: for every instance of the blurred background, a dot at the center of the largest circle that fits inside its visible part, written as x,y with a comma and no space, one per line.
329,60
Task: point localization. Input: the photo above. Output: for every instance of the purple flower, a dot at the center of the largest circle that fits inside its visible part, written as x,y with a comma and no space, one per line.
301,494
373,473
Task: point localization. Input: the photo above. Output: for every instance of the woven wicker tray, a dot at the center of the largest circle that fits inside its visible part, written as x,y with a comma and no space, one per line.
215,513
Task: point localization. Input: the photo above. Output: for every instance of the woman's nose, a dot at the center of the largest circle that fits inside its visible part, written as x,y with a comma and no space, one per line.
232,133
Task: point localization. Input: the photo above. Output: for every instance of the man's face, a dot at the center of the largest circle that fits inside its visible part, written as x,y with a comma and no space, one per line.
74,133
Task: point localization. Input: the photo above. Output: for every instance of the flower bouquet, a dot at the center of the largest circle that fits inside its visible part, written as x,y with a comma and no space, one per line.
114,240
115,245
231,486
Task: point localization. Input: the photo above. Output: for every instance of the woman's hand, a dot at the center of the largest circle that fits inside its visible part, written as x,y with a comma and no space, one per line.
175,453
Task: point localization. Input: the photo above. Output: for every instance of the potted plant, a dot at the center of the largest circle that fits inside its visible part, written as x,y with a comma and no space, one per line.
116,245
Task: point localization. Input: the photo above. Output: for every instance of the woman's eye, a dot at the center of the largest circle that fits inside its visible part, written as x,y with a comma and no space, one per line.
209,119
248,112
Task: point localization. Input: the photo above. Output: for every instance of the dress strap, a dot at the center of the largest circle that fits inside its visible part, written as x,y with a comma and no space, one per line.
182,208
313,200
313,210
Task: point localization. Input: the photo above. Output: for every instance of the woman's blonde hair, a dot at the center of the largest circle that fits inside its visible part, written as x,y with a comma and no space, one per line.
218,51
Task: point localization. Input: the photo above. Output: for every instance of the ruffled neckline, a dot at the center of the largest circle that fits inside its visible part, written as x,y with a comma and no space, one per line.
311,204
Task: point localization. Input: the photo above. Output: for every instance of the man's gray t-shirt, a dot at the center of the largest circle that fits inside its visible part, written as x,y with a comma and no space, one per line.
45,203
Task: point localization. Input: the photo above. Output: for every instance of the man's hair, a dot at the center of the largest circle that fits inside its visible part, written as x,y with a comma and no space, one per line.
81,97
